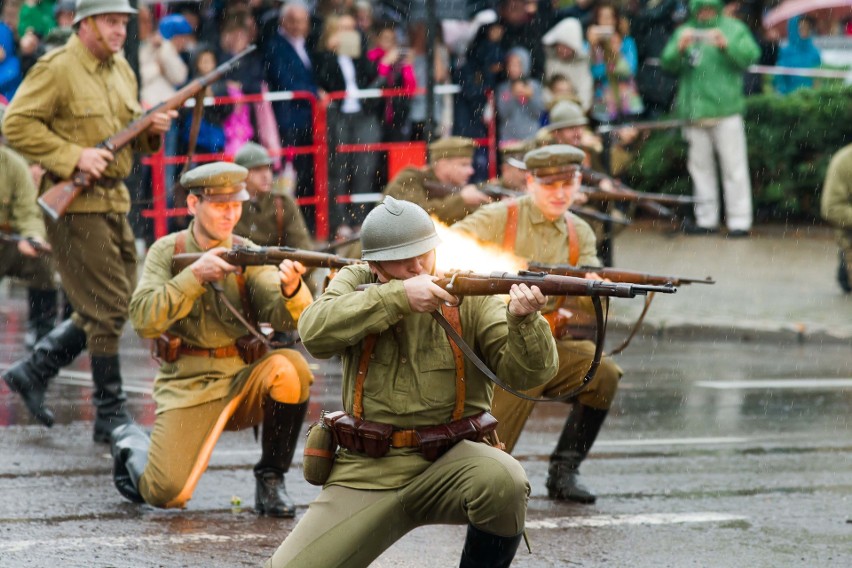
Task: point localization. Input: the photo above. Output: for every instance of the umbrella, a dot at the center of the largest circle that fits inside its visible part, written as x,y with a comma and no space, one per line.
823,9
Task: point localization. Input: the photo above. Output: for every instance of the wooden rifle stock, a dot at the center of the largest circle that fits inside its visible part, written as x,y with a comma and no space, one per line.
616,275
41,249
56,200
471,284
246,256
438,190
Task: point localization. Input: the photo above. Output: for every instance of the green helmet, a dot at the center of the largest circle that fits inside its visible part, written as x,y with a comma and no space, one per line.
251,155
86,8
396,230
566,114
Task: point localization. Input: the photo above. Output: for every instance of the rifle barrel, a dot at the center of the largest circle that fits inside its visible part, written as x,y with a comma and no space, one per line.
245,256
616,275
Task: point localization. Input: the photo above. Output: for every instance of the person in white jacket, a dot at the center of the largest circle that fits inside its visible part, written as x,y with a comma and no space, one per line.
566,55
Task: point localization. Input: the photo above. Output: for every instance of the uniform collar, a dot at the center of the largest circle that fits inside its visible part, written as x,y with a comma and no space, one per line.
538,218
89,61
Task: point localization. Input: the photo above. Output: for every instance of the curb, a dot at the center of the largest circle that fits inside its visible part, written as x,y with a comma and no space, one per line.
800,334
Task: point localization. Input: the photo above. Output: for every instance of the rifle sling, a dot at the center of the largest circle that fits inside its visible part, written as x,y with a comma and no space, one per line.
648,299
471,355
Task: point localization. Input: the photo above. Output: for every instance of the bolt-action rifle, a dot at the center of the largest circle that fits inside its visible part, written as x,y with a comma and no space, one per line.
617,275
655,203
247,256
40,248
56,200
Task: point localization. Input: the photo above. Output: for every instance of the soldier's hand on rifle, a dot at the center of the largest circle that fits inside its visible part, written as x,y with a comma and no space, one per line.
472,196
27,249
524,300
210,267
290,272
161,122
424,296
94,161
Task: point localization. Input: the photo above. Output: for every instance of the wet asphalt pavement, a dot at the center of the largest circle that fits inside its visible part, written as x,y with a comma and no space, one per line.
717,452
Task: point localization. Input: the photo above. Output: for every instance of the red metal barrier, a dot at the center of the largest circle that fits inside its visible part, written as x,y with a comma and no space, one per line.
400,154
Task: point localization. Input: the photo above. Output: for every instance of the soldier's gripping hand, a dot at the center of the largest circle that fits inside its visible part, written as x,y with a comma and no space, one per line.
161,122
524,300
290,272
210,267
424,296
94,161
472,196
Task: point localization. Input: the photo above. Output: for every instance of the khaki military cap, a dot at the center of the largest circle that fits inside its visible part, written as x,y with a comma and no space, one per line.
566,114
251,155
452,147
217,181
516,149
555,162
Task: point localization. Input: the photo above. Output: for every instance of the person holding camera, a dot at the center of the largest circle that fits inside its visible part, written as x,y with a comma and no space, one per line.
214,375
710,54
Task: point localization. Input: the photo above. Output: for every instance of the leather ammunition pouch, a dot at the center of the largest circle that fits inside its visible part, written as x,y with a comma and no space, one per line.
375,439
252,348
166,348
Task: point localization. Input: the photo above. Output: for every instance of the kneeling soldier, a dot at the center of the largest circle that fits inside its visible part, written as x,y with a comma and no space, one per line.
407,382
539,227
207,383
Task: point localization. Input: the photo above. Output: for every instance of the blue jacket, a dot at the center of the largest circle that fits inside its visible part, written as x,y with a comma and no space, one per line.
799,52
10,67
286,72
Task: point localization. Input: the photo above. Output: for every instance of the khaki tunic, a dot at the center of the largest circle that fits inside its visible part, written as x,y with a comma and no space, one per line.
20,214
541,240
408,185
411,378
836,204
259,222
70,101
191,311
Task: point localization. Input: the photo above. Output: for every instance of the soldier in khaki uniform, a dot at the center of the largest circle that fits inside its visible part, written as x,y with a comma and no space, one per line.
73,98
270,217
512,173
836,208
451,163
410,379
539,227
20,215
204,386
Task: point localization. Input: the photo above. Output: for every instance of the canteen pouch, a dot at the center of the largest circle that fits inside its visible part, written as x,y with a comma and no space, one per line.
320,450
375,438
167,348
251,348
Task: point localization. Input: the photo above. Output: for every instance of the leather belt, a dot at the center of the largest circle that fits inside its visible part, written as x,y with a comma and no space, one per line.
215,353
405,439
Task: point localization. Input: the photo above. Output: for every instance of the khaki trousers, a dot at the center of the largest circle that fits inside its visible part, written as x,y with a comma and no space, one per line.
575,357
183,439
95,254
472,483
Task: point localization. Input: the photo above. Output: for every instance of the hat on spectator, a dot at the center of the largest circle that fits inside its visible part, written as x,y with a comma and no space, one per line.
566,114
174,24
567,32
69,6
452,147
554,163
217,182
251,155
89,8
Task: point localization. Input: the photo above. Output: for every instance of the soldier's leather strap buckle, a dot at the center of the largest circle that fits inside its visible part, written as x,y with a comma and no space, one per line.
215,353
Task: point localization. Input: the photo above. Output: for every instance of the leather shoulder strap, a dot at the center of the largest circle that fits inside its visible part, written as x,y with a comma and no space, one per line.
363,365
279,218
573,243
180,243
510,234
451,313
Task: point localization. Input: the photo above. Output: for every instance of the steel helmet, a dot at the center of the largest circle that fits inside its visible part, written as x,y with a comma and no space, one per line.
86,8
566,114
396,230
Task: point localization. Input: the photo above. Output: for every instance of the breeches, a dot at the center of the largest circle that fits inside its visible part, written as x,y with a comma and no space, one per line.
575,357
95,254
183,439
35,272
472,483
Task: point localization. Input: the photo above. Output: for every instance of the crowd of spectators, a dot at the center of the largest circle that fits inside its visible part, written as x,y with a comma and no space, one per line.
604,54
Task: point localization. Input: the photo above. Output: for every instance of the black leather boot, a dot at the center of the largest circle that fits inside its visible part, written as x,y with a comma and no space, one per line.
282,424
109,397
486,550
129,456
42,316
579,433
30,377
